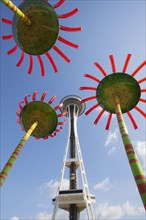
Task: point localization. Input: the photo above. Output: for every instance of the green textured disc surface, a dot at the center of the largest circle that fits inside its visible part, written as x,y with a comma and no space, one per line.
41,35
121,84
41,112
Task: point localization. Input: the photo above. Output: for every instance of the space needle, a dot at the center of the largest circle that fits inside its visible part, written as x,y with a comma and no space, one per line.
76,198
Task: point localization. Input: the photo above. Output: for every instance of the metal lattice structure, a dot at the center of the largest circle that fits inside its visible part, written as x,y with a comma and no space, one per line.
75,199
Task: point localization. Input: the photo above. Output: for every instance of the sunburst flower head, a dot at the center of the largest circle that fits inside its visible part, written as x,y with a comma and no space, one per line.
116,84
37,32
38,37
41,112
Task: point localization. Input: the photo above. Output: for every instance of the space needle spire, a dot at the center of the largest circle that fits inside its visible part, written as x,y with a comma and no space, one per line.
75,199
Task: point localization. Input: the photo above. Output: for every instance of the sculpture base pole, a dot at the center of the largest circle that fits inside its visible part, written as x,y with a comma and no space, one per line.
137,171
15,154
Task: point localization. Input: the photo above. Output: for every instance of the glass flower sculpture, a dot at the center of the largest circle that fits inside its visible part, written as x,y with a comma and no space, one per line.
38,119
119,93
36,29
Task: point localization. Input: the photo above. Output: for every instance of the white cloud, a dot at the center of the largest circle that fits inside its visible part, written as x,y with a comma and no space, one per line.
141,152
104,185
112,137
62,214
51,186
44,216
106,211
47,216
111,151
15,218
132,210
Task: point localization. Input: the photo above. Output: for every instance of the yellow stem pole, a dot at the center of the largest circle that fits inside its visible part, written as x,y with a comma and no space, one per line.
17,11
15,154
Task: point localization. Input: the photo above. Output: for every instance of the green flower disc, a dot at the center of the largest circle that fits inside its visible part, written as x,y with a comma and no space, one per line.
41,112
121,84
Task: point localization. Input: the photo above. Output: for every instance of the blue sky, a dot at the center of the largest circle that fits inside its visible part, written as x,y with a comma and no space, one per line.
108,27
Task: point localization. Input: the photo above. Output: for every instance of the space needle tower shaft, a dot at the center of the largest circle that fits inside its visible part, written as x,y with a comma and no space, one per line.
75,198
73,112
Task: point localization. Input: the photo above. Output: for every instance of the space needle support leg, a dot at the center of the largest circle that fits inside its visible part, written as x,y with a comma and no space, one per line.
15,154
137,171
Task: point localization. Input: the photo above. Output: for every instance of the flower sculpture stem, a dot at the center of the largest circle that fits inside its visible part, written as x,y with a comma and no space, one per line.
17,11
132,157
15,154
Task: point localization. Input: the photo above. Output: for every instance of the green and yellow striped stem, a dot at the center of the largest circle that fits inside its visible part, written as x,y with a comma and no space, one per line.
17,11
137,171
15,154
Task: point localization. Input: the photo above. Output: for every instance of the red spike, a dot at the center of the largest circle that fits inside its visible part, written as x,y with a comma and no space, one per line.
34,95
53,135
61,54
62,114
88,99
92,77
21,59
126,63
69,14
58,4
87,88
20,106
99,116
37,138
142,100
140,111
26,99
12,50
18,112
7,37
52,62
58,130
18,121
6,21
68,43
62,122
143,90
91,109
45,138
58,106
70,29
30,64
112,61
142,80
132,120
41,65
139,68
100,68
108,121
52,100
43,96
